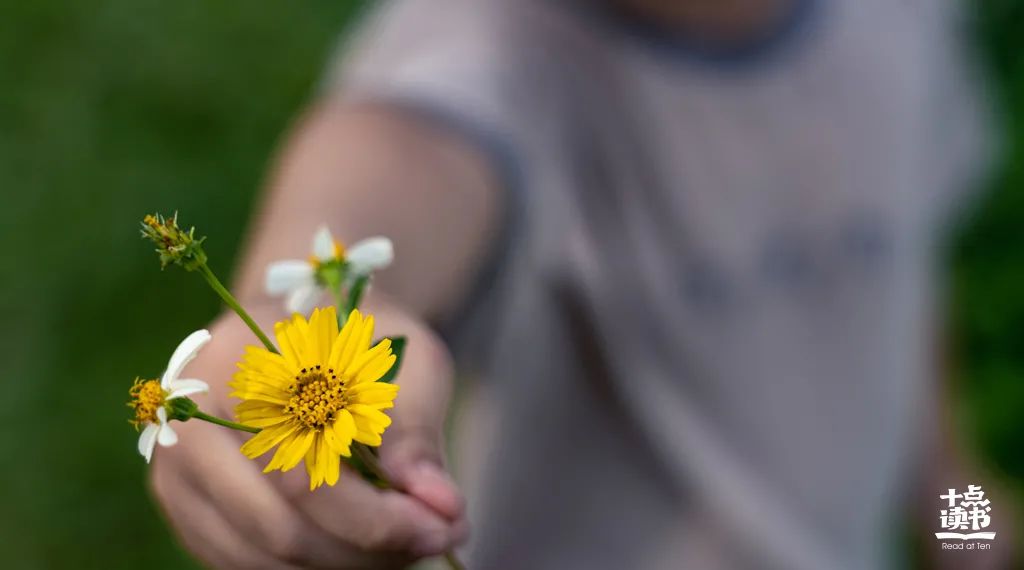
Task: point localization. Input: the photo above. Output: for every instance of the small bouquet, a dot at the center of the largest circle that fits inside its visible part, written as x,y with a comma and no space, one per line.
318,395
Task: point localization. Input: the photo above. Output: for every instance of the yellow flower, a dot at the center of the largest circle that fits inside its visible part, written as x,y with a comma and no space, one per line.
318,396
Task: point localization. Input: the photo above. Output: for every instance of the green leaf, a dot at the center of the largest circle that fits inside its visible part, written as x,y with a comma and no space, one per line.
355,293
398,348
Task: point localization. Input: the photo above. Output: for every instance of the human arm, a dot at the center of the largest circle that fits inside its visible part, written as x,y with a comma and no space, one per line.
364,170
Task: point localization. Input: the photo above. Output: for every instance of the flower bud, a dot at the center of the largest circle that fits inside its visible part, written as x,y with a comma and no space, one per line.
174,245
181,409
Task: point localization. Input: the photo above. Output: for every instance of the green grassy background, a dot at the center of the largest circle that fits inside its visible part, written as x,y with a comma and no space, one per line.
113,108
988,265
110,109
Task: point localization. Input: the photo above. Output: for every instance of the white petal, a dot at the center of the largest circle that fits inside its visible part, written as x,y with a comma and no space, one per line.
161,414
181,387
287,275
323,244
370,254
147,441
303,299
184,354
166,436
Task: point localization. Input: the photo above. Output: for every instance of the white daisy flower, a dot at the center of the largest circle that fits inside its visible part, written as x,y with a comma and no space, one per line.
149,398
301,283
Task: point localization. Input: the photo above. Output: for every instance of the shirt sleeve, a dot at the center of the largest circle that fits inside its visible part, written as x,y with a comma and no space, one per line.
445,56
450,63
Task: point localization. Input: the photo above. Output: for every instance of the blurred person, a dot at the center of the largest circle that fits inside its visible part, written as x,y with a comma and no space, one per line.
683,253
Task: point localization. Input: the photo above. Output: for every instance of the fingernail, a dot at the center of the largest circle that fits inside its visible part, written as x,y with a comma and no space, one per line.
430,473
434,486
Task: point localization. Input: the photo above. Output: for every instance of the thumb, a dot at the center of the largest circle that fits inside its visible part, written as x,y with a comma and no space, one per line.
412,452
413,459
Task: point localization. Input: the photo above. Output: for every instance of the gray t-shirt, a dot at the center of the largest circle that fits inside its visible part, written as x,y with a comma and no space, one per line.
705,334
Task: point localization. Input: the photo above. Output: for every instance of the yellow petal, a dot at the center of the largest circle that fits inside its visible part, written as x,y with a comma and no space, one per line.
252,418
323,329
270,377
383,347
311,464
298,335
331,440
372,387
341,341
247,381
263,414
273,410
254,395
291,450
255,391
367,336
257,409
332,466
345,347
267,421
284,343
374,370
372,393
282,450
340,433
374,416
382,405
368,430
368,437
257,357
266,439
320,455
252,405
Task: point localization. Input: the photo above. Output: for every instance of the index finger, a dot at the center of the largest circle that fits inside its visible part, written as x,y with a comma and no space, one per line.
376,521
208,461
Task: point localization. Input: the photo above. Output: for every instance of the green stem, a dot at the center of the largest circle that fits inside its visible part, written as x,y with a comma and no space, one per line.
199,415
333,276
369,460
339,300
230,300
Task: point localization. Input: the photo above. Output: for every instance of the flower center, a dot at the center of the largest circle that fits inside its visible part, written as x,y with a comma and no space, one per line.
317,395
146,398
339,255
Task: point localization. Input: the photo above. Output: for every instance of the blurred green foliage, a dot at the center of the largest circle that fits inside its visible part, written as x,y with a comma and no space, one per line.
988,264
111,109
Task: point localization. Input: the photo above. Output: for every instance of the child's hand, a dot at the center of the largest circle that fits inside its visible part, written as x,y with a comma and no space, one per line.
230,515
